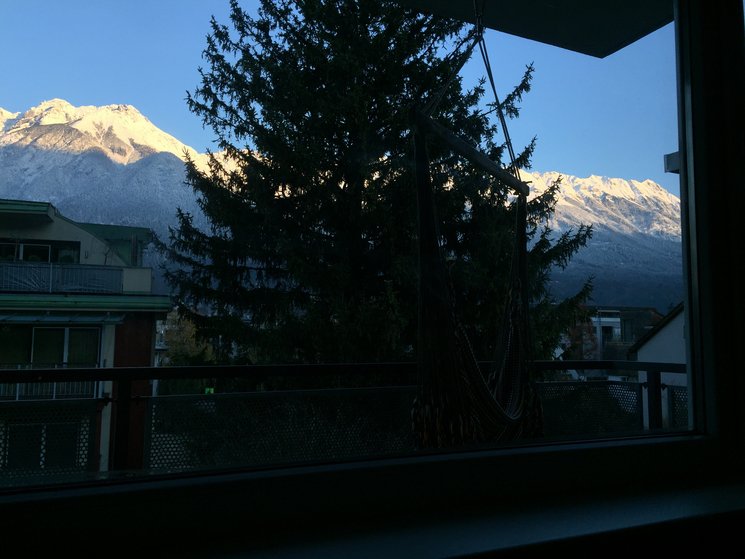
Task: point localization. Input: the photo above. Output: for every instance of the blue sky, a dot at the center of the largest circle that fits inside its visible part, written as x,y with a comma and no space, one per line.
614,117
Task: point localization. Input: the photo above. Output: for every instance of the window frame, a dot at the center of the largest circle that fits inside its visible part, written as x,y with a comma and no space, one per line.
67,330
23,257
251,507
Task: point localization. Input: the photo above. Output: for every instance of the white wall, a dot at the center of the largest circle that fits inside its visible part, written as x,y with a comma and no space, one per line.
668,344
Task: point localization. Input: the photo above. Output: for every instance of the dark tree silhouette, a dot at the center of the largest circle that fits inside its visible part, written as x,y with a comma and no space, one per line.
311,255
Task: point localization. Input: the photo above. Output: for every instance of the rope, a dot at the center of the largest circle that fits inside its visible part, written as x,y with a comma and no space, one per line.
479,13
521,351
457,402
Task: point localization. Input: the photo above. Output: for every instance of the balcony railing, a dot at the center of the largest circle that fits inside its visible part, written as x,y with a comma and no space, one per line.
74,389
48,277
175,420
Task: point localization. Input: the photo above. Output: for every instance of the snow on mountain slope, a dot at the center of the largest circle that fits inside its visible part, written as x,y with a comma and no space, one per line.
5,117
110,164
619,205
120,131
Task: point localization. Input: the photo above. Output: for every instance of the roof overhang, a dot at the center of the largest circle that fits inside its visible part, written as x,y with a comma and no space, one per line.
55,302
60,319
22,213
592,27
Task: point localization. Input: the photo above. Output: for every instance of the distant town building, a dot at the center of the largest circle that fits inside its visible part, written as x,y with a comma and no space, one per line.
607,335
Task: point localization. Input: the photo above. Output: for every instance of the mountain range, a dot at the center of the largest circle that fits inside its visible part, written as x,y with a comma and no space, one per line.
110,164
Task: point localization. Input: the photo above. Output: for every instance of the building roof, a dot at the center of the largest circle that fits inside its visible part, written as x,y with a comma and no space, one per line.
592,27
119,237
84,302
621,308
105,232
25,211
48,319
113,233
23,206
659,325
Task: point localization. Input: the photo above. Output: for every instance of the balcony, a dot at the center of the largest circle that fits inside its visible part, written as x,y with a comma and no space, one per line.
73,278
195,419
48,390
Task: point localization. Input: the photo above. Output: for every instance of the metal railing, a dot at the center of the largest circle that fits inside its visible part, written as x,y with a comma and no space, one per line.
48,390
48,277
175,420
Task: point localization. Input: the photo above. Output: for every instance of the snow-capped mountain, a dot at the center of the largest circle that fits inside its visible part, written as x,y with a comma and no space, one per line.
620,205
106,164
635,253
110,164
121,132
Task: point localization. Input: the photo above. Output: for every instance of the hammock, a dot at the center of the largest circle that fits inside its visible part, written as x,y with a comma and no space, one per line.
458,403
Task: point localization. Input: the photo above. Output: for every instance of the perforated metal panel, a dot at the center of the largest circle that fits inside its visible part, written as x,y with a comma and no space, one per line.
57,438
46,440
591,408
678,406
267,428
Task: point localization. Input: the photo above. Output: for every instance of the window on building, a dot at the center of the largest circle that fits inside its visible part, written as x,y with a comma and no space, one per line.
608,333
66,252
35,252
62,252
15,346
8,252
627,330
66,347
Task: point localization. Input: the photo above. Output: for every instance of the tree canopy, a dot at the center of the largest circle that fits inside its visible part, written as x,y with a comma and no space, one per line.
311,253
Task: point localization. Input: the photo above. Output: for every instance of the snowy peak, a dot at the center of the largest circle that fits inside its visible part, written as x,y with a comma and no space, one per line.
6,117
120,131
598,187
110,164
56,131
618,205
54,111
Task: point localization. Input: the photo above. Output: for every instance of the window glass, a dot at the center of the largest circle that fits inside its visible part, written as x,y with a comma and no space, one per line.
66,253
15,346
334,321
82,347
35,253
8,252
49,347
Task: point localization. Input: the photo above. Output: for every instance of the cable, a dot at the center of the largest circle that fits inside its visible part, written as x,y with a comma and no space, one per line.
479,12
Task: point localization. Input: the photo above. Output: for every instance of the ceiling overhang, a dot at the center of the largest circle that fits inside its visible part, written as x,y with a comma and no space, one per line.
593,27
61,319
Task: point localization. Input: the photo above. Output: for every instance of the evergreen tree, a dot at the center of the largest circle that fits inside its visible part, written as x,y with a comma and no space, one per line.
311,255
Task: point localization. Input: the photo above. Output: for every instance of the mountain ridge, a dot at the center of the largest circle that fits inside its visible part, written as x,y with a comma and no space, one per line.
121,131
59,153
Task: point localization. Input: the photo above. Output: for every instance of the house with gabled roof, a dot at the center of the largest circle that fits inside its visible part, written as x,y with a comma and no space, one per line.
71,295
665,343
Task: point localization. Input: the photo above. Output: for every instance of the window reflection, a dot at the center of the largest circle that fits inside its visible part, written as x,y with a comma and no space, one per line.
247,407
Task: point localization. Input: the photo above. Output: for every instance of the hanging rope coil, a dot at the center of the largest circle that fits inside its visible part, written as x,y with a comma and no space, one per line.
458,403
